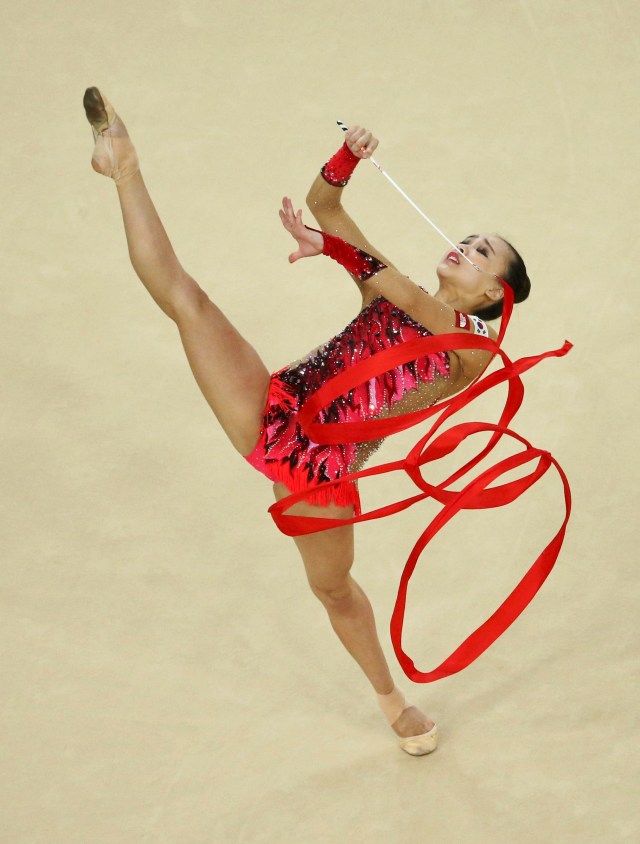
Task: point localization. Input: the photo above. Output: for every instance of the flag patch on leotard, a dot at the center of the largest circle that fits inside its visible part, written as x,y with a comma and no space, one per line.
480,326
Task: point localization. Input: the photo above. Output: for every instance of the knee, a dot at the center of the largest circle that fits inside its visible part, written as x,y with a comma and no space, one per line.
336,597
188,299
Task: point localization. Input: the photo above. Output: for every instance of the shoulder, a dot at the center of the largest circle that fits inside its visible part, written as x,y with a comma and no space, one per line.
436,316
473,362
400,290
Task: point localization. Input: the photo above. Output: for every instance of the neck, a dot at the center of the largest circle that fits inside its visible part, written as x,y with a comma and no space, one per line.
451,298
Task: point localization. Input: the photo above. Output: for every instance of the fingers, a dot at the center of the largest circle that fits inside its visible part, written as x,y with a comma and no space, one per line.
310,241
360,141
287,207
288,216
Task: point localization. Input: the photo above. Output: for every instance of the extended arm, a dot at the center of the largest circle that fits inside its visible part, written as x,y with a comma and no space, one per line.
324,199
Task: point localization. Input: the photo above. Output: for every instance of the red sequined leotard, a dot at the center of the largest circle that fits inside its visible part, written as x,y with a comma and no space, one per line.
284,453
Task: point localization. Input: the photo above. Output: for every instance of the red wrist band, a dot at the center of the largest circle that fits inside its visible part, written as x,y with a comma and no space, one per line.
356,261
337,171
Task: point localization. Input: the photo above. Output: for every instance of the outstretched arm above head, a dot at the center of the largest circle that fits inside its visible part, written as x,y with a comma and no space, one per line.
324,199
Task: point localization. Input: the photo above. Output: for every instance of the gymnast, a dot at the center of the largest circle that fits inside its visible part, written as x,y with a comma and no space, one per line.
258,410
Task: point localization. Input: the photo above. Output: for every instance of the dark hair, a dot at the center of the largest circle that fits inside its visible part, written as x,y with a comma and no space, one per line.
517,279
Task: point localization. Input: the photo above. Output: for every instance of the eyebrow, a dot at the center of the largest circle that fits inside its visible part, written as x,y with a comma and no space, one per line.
485,240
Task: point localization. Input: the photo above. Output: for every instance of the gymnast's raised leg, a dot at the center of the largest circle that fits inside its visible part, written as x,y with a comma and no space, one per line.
235,382
228,370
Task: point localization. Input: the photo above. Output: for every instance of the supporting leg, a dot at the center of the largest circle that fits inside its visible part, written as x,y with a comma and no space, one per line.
328,557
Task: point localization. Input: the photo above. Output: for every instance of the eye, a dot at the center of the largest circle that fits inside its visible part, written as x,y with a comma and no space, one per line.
483,251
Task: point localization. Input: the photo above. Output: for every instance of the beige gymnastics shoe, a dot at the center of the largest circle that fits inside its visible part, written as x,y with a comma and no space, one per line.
114,155
393,705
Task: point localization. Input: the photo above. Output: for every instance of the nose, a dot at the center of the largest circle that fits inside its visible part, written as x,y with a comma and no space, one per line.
461,247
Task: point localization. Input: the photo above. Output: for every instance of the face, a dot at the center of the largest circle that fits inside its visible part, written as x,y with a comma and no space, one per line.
457,276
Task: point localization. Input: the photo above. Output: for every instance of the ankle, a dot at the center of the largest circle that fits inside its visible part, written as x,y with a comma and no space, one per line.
392,704
129,178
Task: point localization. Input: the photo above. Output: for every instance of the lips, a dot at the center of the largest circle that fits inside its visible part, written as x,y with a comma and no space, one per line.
453,257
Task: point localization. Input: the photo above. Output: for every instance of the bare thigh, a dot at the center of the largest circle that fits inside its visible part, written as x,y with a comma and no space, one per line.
228,370
328,555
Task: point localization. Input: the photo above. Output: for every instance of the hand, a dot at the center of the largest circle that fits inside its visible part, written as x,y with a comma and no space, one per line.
360,141
309,242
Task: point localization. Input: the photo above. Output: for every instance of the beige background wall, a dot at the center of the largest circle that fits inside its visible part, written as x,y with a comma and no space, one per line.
167,676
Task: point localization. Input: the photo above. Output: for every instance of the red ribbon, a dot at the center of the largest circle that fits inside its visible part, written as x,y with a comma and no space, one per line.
479,493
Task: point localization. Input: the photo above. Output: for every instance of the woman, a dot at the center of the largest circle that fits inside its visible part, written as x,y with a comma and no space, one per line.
258,411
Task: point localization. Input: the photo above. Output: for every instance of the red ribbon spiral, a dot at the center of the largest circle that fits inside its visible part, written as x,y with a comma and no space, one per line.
479,493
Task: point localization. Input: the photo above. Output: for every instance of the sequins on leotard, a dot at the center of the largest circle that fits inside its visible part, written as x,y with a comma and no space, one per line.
284,452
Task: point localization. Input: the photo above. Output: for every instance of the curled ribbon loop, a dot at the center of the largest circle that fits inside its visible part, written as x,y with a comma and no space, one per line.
479,493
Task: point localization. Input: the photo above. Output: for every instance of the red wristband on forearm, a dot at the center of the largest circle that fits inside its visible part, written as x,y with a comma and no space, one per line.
356,261
337,171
